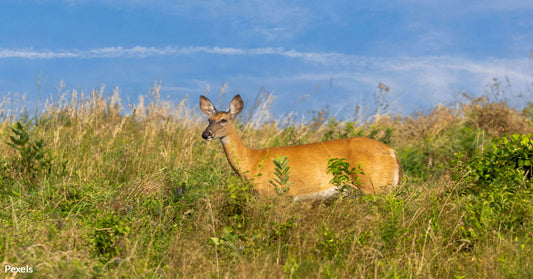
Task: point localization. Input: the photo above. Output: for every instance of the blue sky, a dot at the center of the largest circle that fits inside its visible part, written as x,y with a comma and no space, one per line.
306,53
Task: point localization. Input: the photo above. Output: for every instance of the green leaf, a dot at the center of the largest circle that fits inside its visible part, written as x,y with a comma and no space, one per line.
19,141
215,240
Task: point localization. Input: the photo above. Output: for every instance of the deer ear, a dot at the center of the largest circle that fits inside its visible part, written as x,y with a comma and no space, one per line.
207,106
236,105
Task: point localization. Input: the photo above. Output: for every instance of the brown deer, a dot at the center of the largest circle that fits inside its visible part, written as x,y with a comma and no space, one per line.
308,163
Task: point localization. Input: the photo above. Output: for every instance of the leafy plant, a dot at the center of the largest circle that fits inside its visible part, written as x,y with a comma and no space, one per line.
32,152
507,159
496,182
280,231
110,228
390,227
239,194
329,244
281,182
229,242
344,174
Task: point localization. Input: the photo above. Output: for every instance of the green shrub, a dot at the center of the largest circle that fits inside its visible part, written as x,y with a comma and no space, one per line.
495,187
238,196
329,243
391,227
33,157
229,243
507,160
344,174
108,233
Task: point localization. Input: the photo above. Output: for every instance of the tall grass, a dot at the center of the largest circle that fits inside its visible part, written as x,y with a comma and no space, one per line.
142,195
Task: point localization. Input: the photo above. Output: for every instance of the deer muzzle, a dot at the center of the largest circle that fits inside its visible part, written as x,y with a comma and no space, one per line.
207,135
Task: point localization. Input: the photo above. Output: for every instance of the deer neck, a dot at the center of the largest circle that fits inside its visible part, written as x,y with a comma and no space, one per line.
237,153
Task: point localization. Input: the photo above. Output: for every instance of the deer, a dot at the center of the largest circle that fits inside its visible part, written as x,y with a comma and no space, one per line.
310,180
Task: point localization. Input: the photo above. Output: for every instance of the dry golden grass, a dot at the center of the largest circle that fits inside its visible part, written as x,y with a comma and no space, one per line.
498,118
142,195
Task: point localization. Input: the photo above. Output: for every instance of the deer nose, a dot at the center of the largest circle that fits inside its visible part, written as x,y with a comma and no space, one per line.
207,135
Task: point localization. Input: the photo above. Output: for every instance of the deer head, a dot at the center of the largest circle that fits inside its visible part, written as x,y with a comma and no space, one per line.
220,122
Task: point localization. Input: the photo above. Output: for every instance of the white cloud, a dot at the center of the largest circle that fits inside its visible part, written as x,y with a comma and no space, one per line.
105,52
426,66
32,54
141,51
424,79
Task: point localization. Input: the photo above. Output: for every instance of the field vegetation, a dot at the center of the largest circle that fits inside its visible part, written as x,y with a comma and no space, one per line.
87,190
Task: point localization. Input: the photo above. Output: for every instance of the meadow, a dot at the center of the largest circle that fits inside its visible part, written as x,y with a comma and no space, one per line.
87,190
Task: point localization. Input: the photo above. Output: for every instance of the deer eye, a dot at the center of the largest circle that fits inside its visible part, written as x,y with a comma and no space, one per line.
223,120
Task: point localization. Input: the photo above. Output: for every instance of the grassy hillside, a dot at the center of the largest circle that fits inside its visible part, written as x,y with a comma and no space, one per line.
86,191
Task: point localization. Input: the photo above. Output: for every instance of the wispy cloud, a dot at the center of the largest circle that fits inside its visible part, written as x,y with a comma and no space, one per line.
142,51
34,54
515,68
422,79
105,52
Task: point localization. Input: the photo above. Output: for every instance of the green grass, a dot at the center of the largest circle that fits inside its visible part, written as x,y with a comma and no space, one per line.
111,195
